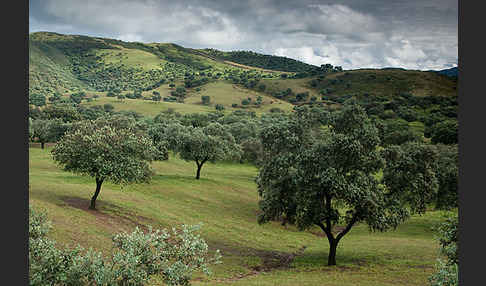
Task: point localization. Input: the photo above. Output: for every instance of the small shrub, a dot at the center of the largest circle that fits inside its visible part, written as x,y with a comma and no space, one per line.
205,99
108,107
137,256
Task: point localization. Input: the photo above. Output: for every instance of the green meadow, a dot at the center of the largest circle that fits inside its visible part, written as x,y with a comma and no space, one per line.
225,201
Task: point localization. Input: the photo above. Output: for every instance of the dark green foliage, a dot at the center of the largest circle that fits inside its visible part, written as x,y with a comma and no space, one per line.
302,96
92,112
48,130
447,271
396,132
263,61
65,112
219,107
448,176
410,175
306,175
206,99
54,98
193,82
179,92
37,99
77,97
407,113
108,107
445,132
245,102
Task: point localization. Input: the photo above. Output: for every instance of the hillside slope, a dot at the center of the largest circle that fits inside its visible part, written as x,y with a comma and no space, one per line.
67,63
70,63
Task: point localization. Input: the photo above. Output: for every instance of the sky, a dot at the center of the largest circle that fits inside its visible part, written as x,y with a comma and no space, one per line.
411,34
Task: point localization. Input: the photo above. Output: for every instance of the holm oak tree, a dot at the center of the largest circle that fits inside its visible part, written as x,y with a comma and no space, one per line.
106,153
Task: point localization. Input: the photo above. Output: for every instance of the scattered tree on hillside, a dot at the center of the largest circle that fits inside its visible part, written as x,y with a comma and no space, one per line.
205,99
445,132
156,97
105,152
396,132
207,144
37,99
448,176
63,111
333,179
48,130
108,107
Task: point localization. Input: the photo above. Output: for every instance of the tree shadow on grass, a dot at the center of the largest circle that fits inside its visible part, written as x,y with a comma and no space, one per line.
109,214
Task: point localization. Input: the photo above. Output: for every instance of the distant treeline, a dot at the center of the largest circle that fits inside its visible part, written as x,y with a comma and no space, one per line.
250,58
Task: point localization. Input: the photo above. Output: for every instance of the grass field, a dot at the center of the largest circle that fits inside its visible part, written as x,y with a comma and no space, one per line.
225,201
226,94
220,92
131,58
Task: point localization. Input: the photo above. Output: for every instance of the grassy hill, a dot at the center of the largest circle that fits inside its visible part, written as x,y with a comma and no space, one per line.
225,201
91,63
70,63
386,83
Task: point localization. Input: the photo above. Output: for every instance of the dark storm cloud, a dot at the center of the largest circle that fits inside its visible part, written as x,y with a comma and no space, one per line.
353,34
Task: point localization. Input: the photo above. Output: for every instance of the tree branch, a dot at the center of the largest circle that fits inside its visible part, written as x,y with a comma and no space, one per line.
326,230
348,227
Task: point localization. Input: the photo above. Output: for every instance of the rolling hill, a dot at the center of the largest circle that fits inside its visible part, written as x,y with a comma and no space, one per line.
70,63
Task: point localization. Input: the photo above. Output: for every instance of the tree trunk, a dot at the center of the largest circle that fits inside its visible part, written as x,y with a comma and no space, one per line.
198,171
331,260
42,145
98,188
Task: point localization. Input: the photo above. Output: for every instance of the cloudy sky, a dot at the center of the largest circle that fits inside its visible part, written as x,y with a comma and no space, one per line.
412,34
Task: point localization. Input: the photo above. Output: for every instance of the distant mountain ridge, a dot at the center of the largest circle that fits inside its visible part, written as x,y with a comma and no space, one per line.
451,72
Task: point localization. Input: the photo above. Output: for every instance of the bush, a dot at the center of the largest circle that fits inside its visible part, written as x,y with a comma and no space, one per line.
445,132
245,102
137,256
302,96
37,99
219,107
108,107
205,99
234,105
447,271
